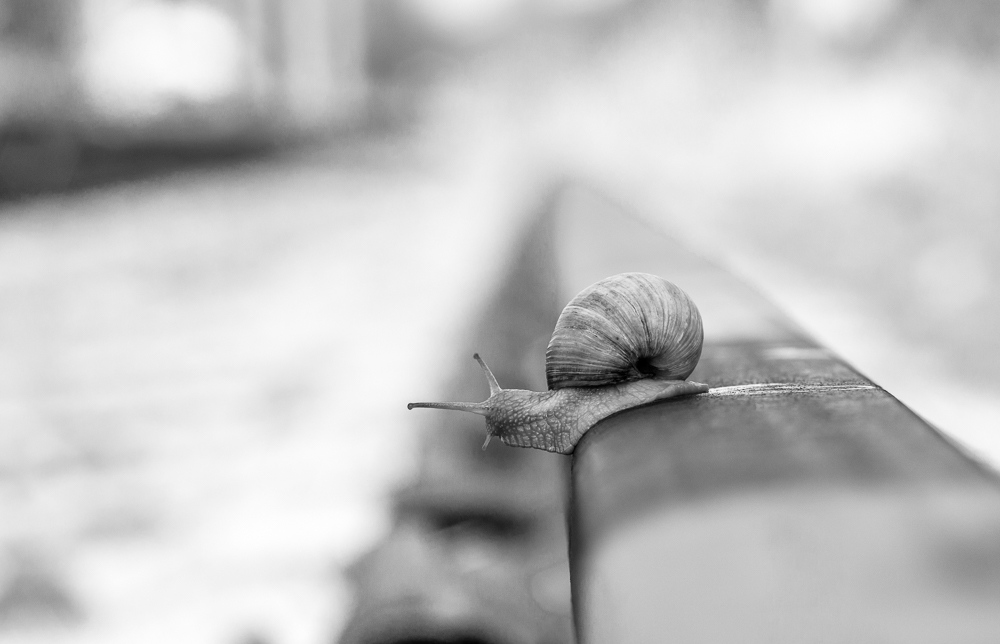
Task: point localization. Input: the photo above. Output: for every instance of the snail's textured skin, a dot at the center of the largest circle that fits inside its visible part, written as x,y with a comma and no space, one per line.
555,421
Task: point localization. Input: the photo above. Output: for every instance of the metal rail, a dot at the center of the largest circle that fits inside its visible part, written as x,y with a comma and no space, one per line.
797,501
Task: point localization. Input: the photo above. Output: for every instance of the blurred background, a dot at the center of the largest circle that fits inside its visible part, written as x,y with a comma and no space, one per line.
237,236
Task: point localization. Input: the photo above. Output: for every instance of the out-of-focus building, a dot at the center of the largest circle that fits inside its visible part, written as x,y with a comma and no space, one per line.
177,72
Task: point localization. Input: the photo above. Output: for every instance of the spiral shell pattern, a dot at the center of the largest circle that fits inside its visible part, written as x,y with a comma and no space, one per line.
626,327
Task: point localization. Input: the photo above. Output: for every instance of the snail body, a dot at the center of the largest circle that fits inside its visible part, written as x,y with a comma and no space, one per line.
626,341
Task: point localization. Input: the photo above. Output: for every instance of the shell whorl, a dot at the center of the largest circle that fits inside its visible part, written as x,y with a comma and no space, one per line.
623,328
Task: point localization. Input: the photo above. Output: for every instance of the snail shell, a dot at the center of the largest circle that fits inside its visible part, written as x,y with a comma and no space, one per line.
623,328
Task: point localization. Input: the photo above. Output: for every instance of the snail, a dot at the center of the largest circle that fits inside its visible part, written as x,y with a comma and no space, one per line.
626,341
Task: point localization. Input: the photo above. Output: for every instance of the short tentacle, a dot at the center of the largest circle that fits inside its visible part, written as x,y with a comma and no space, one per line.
494,385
